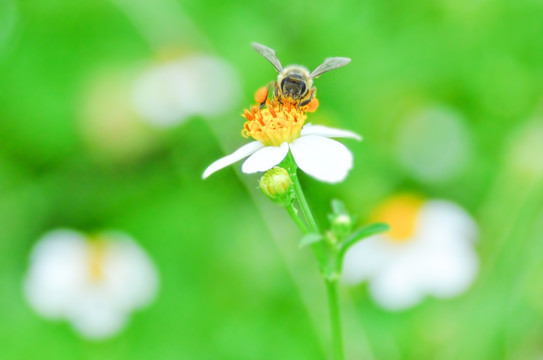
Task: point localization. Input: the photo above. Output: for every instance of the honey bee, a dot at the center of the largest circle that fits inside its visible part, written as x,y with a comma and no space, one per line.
294,82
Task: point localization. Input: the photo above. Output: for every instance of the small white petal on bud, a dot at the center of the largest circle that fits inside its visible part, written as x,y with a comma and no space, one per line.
342,220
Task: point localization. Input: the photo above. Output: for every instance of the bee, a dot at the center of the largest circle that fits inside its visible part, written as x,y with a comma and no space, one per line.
294,82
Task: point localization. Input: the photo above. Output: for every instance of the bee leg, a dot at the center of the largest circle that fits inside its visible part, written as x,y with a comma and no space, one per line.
277,96
305,102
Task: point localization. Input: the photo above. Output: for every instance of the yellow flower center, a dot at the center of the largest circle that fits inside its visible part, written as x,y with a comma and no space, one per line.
401,212
97,249
276,123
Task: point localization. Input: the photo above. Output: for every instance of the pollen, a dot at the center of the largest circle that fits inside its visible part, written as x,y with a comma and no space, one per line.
401,212
275,123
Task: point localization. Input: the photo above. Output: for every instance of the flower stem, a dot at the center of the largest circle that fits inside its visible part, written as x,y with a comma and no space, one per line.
335,318
313,227
330,281
294,215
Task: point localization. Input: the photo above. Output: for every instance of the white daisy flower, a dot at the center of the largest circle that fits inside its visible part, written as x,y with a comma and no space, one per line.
108,124
279,129
167,94
428,251
92,283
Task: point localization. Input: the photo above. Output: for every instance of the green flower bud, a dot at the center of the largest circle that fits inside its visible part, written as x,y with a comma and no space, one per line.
341,220
277,185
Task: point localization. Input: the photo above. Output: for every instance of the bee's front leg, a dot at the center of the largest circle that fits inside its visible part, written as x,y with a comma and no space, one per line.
305,102
276,94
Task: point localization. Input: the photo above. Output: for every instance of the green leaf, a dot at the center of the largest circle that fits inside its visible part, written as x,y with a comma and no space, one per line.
310,239
361,234
338,208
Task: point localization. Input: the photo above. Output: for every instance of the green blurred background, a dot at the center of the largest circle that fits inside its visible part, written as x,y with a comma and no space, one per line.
233,283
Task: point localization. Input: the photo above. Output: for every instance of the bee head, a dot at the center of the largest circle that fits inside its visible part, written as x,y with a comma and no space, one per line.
294,81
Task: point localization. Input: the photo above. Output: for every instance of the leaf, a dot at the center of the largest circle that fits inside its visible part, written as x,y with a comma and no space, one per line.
355,237
338,207
310,239
361,234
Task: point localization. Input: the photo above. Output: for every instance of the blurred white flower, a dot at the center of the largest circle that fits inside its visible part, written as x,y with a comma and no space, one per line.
167,94
94,283
442,147
428,251
108,124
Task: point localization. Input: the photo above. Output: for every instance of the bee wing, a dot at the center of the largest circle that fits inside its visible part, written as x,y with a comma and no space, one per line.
269,54
330,64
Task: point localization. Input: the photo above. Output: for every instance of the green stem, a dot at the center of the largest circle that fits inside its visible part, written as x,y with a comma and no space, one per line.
331,282
301,199
294,215
335,319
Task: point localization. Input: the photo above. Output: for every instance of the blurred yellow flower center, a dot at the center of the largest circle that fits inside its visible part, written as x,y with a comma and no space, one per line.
401,213
275,123
96,259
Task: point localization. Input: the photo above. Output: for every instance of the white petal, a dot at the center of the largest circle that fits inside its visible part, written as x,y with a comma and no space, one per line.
167,94
156,92
450,271
57,272
397,286
325,159
129,275
214,84
94,315
364,259
325,131
442,222
237,155
265,159
394,294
